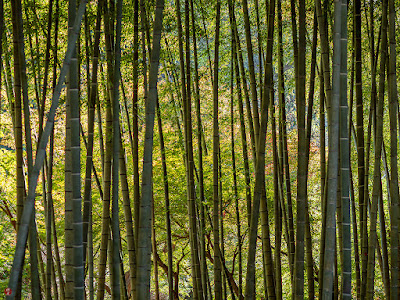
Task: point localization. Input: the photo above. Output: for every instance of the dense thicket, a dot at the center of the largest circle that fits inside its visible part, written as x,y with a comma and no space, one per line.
199,150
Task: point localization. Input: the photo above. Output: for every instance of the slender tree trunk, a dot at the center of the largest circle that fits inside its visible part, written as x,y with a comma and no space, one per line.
364,208
237,53
135,127
344,148
105,224
359,107
216,211
167,205
383,235
144,239
277,210
53,226
234,173
250,56
352,196
70,187
116,239
155,255
284,146
333,160
49,215
20,180
93,94
201,144
78,270
298,290
309,255
187,108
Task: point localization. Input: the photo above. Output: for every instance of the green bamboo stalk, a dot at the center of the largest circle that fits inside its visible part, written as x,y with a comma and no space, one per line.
107,167
352,195
53,227
191,171
364,208
116,261
260,51
54,282
93,93
333,159
383,235
309,254
345,159
72,93
76,200
48,197
20,184
359,108
277,209
49,214
234,172
135,150
268,264
249,114
288,216
250,56
378,150
167,205
19,55
216,210
201,146
238,59
298,280
144,250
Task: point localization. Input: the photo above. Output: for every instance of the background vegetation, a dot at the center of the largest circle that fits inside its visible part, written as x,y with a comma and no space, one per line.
254,154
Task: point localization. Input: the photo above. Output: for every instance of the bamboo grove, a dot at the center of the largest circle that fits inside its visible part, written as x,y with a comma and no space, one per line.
199,150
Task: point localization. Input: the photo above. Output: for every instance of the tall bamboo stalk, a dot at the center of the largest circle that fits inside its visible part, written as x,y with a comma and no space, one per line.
93,94
333,159
107,169
253,83
372,241
144,249
116,239
216,211
298,290
344,148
